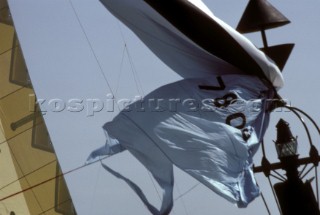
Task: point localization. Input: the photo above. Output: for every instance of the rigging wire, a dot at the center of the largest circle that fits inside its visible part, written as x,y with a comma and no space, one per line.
309,170
188,191
306,115
296,112
279,175
303,123
61,203
154,185
264,200
121,65
8,50
280,179
141,88
303,169
273,192
21,170
95,188
100,66
52,178
151,140
317,192
183,203
91,47
19,166
134,72
11,93
14,136
138,86
34,171
274,195
265,203
263,148
7,140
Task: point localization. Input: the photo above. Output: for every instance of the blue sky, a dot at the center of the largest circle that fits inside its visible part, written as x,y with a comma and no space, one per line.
92,63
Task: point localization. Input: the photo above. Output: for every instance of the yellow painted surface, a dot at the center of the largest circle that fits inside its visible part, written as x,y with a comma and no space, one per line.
8,175
25,165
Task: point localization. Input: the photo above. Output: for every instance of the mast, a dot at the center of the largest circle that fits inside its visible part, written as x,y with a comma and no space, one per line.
292,194
260,15
80,189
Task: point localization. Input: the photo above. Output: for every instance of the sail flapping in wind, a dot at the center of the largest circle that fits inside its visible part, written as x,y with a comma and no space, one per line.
212,136
191,40
207,125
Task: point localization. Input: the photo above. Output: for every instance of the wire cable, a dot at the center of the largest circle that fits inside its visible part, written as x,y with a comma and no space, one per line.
52,178
34,171
274,195
303,123
9,94
14,136
29,184
134,72
263,149
49,209
303,169
188,191
265,203
306,115
120,72
99,64
91,47
138,86
295,111
307,172
280,179
283,178
183,203
317,183
8,50
264,200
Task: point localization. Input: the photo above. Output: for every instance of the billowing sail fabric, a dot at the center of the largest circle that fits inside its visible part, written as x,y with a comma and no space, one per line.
210,123
186,36
210,128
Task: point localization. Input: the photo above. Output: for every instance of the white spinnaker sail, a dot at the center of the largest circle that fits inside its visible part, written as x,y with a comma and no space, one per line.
69,69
